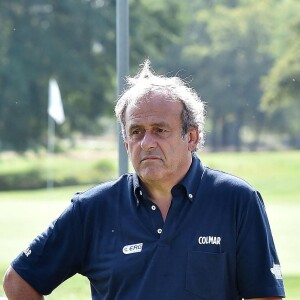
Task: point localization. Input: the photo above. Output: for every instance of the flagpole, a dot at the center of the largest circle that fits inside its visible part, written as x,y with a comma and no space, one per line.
55,115
51,142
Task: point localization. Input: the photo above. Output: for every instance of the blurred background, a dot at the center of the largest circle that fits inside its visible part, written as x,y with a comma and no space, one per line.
241,56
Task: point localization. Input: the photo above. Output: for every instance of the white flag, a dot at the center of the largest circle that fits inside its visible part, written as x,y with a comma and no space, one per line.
55,106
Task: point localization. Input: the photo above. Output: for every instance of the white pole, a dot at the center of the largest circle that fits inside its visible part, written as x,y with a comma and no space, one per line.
122,68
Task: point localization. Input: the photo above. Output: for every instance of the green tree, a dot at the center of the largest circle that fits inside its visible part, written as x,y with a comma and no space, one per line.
73,41
282,83
281,86
55,38
229,56
243,58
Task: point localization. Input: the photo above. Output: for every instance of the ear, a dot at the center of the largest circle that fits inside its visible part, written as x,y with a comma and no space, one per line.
126,145
193,138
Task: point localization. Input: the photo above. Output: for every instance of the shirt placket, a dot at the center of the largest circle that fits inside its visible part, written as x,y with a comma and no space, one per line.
155,216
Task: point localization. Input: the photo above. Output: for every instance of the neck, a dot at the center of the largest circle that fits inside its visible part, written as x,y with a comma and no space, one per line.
162,199
160,194
159,191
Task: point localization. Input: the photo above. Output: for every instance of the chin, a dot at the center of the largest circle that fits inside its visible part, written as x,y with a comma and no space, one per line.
150,176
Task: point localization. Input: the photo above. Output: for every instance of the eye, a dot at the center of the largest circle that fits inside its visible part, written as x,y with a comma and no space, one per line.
161,131
136,131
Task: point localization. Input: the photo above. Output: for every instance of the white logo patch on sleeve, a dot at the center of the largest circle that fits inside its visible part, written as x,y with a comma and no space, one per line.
27,252
276,271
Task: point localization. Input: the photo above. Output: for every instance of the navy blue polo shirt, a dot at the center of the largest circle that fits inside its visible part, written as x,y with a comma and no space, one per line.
215,243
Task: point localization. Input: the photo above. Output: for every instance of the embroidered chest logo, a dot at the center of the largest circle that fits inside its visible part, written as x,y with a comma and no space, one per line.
213,240
134,248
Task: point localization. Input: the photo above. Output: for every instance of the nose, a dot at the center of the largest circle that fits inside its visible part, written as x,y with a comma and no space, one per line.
148,141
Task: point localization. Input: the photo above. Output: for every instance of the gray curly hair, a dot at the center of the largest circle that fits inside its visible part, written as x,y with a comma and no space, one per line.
146,82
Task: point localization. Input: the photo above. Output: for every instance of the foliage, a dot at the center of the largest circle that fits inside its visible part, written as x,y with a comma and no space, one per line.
283,119
44,40
74,42
32,173
231,57
282,83
231,51
29,179
160,27
242,55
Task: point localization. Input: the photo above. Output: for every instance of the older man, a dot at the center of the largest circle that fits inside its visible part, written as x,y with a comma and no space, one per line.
174,229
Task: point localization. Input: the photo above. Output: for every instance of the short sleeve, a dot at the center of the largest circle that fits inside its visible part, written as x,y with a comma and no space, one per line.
54,255
258,267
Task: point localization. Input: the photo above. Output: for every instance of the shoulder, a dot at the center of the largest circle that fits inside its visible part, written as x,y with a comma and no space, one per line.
231,192
102,193
226,180
228,187
101,203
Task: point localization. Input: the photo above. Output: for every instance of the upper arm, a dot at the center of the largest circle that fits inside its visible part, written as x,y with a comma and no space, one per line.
257,261
16,287
41,264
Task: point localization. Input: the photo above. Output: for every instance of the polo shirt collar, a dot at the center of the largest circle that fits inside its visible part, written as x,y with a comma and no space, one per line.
192,179
190,182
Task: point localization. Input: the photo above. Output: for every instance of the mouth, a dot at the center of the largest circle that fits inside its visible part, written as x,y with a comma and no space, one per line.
150,158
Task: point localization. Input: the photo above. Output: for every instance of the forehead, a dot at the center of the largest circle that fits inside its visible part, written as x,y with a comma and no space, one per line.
153,108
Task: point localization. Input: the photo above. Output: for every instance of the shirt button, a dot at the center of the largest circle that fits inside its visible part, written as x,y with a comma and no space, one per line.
153,207
159,230
190,196
141,193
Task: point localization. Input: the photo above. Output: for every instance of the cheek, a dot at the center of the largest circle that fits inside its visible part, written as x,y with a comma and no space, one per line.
178,151
132,150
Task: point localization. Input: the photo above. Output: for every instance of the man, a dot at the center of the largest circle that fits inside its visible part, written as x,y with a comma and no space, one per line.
174,229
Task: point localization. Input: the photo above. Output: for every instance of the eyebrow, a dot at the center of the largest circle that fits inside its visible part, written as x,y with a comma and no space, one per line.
159,124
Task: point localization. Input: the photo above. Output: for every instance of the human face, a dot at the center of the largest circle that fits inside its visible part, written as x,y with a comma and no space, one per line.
154,142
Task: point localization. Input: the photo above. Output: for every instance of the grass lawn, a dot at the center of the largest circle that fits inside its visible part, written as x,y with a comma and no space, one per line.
276,175
24,214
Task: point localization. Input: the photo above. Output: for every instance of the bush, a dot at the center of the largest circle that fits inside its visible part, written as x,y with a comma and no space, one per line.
106,168
30,179
66,172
